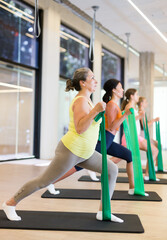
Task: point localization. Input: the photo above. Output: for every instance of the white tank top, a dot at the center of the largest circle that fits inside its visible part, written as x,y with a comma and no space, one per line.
137,122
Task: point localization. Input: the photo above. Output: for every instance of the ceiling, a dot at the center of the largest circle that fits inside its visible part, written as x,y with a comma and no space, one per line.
120,17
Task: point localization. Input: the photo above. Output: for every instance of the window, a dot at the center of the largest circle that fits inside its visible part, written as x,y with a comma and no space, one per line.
19,66
160,97
111,66
16,33
73,52
16,111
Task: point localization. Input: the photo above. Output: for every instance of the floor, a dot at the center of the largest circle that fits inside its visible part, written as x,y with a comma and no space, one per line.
153,215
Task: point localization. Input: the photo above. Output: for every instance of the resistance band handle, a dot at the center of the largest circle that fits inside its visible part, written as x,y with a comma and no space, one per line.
99,115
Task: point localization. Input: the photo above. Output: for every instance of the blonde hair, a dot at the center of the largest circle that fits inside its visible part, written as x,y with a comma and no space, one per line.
141,99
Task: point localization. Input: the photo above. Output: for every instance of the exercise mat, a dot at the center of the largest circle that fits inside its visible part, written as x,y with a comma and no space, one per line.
71,221
95,195
86,178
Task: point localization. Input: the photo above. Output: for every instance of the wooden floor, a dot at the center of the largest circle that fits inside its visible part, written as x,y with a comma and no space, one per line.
153,215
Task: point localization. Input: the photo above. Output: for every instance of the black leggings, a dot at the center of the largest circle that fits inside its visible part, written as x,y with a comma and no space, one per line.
114,149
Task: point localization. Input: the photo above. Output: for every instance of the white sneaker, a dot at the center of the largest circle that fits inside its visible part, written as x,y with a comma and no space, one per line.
93,175
131,191
51,189
113,217
146,178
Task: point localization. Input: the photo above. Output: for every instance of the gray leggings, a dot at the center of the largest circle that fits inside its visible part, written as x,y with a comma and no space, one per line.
63,161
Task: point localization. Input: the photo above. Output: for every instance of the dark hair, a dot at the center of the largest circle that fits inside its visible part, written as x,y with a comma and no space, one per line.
79,74
128,93
109,85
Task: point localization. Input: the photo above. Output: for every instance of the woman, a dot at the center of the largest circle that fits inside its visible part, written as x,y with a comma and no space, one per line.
142,105
77,146
113,120
131,100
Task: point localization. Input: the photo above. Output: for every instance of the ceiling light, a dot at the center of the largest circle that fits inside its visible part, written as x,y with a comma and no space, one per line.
29,35
148,21
26,89
75,39
16,13
17,9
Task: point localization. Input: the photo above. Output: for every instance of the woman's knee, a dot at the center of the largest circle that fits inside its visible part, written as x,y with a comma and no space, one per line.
155,151
112,170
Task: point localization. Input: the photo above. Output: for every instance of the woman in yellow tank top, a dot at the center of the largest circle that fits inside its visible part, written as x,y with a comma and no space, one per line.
77,147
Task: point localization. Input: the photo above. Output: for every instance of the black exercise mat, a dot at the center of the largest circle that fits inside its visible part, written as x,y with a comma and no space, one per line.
126,180
86,178
95,194
71,221
123,170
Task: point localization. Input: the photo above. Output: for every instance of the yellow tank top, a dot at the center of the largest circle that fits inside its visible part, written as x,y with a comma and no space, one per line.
82,145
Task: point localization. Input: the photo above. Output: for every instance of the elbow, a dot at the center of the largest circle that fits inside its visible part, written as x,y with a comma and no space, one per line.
79,130
111,128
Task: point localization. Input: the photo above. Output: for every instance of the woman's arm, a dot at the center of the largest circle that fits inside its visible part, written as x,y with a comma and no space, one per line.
152,121
111,112
83,115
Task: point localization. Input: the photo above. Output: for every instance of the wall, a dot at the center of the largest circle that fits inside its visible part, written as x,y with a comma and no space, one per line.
54,14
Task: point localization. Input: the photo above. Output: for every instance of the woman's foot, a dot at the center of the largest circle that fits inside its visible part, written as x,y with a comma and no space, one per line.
99,216
146,178
131,191
51,189
10,212
93,175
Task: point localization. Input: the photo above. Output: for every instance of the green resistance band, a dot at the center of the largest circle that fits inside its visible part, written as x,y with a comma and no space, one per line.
106,206
127,133
158,138
151,169
133,145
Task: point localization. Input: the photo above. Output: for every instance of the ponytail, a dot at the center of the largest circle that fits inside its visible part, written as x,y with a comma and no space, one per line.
69,85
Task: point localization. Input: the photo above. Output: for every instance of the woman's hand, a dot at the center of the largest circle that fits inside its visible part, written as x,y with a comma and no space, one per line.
156,119
100,107
141,114
127,112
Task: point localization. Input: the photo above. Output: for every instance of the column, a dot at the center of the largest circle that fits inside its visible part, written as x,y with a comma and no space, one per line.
50,80
146,80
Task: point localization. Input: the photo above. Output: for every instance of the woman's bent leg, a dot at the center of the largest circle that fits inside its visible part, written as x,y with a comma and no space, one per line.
94,163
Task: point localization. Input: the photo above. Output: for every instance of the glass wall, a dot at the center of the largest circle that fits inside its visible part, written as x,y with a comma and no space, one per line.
18,65
73,54
160,89
16,111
